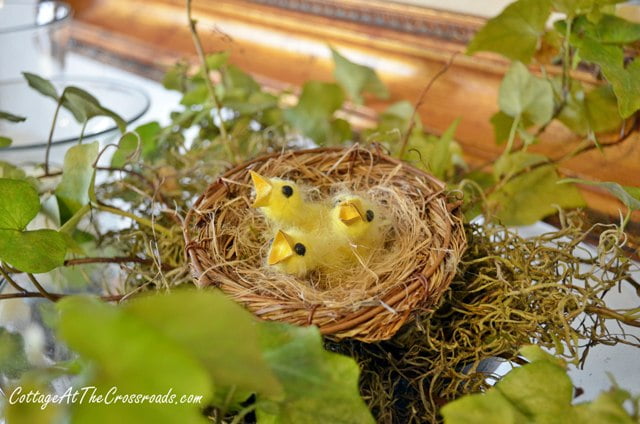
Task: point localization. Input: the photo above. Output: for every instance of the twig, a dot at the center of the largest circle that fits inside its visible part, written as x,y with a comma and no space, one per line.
142,221
205,69
41,289
412,121
590,146
608,313
56,296
155,188
566,61
113,260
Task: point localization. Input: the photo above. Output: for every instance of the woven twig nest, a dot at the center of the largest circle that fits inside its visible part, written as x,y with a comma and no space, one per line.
227,242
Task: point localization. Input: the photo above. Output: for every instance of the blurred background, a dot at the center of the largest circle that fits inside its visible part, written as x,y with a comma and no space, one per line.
284,43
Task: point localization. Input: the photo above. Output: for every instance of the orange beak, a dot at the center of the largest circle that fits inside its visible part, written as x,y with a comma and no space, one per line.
263,190
351,212
281,248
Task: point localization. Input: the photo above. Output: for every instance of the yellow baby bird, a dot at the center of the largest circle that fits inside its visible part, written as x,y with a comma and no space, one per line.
282,202
295,252
358,222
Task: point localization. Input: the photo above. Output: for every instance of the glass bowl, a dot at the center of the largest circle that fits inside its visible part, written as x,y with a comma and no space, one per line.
30,137
34,35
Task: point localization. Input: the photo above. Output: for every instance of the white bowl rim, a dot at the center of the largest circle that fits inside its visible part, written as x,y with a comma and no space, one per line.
70,80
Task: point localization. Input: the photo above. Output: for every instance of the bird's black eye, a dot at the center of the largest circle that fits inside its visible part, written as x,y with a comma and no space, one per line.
370,215
287,191
300,249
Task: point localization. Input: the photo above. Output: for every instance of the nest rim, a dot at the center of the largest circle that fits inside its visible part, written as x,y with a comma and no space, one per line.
364,323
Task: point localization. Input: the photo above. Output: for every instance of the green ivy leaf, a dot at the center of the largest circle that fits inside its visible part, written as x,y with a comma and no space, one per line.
320,387
176,77
540,389
76,188
340,131
147,134
630,196
6,116
490,407
357,79
238,85
19,204
29,251
10,171
531,196
534,353
5,141
601,108
256,103
197,95
392,124
472,199
132,356
227,346
430,153
85,107
575,7
624,80
522,94
32,251
441,159
41,85
313,114
593,112
515,32
609,29
216,60
13,361
606,408
539,392
397,116
502,124
574,113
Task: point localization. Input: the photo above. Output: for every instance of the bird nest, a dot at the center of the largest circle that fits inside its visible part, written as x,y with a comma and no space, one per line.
227,241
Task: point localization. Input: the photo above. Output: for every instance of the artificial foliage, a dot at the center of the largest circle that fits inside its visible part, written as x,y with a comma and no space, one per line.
119,298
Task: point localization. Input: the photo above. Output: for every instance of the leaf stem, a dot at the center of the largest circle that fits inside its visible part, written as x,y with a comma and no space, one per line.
41,289
11,281
138,219
566,61
84,127
512,135
50,139
243,412
71,224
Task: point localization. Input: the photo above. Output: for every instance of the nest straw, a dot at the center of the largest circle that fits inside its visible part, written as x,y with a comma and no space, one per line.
227,242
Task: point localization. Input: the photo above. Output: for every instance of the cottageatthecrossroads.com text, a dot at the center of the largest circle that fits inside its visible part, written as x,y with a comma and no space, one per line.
89,394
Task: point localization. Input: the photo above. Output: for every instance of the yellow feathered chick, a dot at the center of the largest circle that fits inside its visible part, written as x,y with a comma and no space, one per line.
295,252
282,202
358,222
